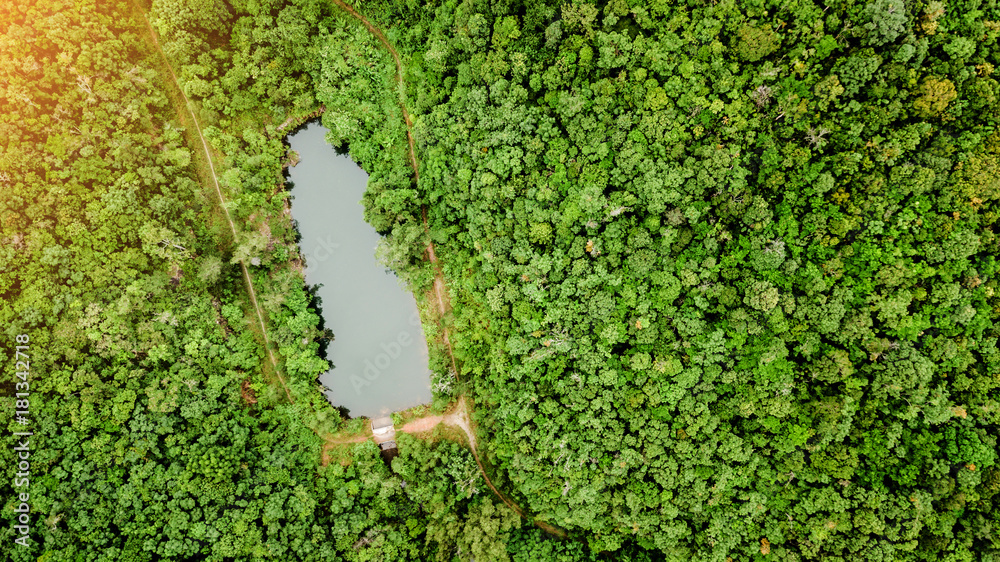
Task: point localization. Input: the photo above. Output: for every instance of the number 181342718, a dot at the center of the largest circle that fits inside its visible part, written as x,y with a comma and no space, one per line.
23,366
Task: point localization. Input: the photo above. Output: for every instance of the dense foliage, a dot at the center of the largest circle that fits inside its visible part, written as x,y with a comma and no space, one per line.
723,276
726,272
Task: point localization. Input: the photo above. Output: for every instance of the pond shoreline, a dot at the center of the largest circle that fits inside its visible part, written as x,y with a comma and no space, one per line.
379,351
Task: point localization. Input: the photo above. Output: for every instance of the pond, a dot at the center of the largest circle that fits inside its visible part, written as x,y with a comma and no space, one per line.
379,352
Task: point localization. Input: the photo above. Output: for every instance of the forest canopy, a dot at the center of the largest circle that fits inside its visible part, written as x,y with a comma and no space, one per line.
726,272
723,276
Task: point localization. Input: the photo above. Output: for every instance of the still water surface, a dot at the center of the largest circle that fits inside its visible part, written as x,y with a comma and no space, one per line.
379,354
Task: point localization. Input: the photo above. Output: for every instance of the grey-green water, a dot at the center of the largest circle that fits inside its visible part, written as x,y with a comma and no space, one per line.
379,352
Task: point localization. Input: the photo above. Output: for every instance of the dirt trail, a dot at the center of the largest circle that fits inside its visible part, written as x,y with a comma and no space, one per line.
218,192
457,417
440,294
421,425
399,77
